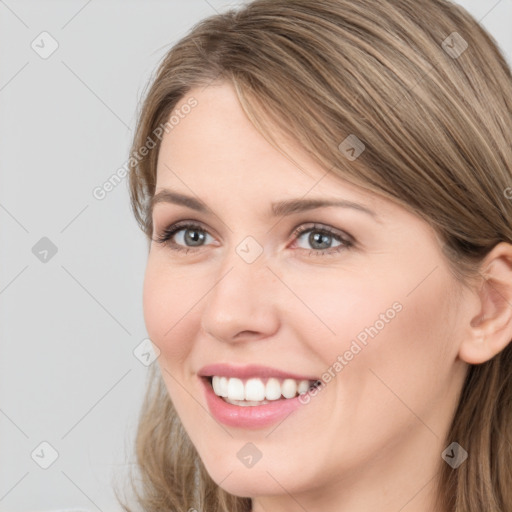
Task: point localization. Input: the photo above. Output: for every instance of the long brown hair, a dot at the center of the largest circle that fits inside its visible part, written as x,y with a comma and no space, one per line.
427,91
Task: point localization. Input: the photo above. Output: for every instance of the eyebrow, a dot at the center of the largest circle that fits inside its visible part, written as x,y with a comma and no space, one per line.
278,209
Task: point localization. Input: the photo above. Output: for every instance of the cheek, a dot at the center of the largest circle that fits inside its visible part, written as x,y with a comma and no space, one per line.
398,374
171,321
342,308
168,313
386,314
403,360
377,325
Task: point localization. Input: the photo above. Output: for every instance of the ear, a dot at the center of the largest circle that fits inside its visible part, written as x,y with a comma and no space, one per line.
490,330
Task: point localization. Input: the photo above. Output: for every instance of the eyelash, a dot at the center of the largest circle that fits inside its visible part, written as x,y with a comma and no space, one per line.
165,236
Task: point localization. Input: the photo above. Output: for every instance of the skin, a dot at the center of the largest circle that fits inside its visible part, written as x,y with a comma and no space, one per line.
372,438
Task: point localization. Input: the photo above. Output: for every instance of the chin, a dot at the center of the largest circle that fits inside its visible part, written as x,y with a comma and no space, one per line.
249,485
259,480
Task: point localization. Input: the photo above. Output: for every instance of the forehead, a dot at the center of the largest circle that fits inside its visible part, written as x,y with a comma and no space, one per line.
215,144
217,136
214,152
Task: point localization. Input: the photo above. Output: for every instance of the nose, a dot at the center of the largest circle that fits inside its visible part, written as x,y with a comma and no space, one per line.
243,303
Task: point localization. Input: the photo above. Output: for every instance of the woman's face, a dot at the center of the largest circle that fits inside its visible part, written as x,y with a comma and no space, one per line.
370,303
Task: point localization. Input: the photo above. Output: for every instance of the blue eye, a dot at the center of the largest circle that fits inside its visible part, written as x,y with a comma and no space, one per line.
321,235
195,235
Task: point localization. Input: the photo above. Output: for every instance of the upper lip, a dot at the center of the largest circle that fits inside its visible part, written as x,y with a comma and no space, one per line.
245,372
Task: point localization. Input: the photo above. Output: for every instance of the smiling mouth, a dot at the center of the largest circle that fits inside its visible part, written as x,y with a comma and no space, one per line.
258,391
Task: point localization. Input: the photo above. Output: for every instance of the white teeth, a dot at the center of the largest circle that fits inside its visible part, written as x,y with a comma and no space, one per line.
289,388
223,386
245,403
273,389
220,386
255,391
236,389
215,386
303,386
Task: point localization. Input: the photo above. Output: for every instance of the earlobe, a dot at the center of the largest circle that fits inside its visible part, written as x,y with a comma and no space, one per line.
490,330
475,350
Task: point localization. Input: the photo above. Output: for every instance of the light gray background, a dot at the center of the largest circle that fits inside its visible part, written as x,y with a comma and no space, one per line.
69,326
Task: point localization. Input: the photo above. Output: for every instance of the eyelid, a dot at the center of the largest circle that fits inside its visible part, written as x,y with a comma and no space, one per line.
166,225
173,227
312,224
320,226
346,240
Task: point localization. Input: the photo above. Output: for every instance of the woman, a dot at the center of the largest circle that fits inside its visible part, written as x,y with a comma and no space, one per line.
326,192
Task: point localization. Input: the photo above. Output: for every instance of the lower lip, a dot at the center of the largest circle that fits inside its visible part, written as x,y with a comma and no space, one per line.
251,416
